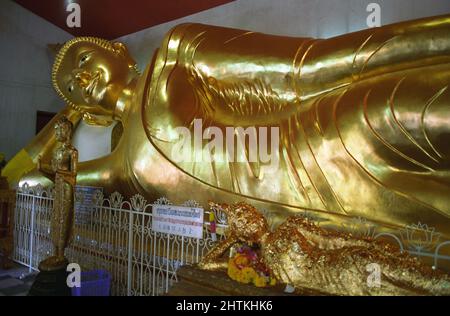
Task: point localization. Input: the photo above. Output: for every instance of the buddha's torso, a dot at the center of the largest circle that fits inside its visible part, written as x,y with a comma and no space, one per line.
62,158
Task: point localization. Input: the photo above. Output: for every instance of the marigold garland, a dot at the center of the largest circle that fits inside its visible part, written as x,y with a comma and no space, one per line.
246,267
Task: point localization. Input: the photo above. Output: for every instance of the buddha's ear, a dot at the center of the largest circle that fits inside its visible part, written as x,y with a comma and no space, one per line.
122,50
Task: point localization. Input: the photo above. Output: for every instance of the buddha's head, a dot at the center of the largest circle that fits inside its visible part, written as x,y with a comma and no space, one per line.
63,130
91,73
245,222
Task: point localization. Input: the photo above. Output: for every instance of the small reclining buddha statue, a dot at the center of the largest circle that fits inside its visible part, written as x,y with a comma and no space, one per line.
304,255
362,120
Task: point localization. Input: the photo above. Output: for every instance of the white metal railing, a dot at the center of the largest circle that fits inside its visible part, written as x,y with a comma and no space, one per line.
116,235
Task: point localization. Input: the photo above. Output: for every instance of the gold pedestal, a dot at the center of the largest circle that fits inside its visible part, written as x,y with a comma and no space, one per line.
193,281
51,282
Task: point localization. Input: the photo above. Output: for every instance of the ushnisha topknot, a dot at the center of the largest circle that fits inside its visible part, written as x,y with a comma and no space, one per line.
62,52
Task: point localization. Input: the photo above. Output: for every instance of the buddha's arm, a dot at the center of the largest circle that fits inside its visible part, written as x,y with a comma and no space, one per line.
45,141
41,145
45,169
234,77
104,172
74,162
72,171
225,75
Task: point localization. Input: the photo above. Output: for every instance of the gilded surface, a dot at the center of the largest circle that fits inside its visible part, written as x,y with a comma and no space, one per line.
63,171
304,255
363,118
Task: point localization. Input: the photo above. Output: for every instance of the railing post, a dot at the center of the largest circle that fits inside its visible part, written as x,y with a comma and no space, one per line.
154,264
198,250
31,233
436,253
393,236
141,264
130,253
182,251
167,263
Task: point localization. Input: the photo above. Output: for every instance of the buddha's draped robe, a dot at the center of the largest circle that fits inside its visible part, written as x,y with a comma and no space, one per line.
364,118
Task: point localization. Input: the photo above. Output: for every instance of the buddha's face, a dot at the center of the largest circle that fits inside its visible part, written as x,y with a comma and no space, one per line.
63,132
93,76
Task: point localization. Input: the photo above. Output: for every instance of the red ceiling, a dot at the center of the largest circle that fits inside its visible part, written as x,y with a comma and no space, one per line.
114,18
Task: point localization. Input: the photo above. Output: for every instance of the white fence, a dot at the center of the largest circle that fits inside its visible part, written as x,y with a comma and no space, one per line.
116,235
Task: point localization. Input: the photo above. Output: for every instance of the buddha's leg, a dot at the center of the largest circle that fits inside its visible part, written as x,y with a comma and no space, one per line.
66,222
382,145
55,220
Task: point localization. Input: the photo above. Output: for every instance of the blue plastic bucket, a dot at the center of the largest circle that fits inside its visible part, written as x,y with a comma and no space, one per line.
93,283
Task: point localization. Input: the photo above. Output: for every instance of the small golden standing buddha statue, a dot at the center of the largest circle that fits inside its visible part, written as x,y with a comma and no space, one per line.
63,172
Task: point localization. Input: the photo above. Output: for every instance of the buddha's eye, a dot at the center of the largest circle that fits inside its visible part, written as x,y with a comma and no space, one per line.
84,59
70,89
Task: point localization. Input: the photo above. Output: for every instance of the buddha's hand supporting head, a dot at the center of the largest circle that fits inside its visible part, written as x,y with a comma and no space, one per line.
91,73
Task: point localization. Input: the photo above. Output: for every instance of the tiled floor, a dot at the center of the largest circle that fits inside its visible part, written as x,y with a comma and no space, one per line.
16,281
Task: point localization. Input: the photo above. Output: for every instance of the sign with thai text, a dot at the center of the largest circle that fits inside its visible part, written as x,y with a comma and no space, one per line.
84,202
178,220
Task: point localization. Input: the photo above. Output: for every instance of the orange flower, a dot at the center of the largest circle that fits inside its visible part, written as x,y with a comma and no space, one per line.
241,260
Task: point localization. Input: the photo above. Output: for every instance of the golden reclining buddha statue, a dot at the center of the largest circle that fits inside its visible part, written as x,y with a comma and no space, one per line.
363,119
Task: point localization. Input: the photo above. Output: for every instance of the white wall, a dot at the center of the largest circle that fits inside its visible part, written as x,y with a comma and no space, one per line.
25,67
311,18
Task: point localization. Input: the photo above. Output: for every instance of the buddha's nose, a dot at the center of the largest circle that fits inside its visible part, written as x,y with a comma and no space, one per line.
83,78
